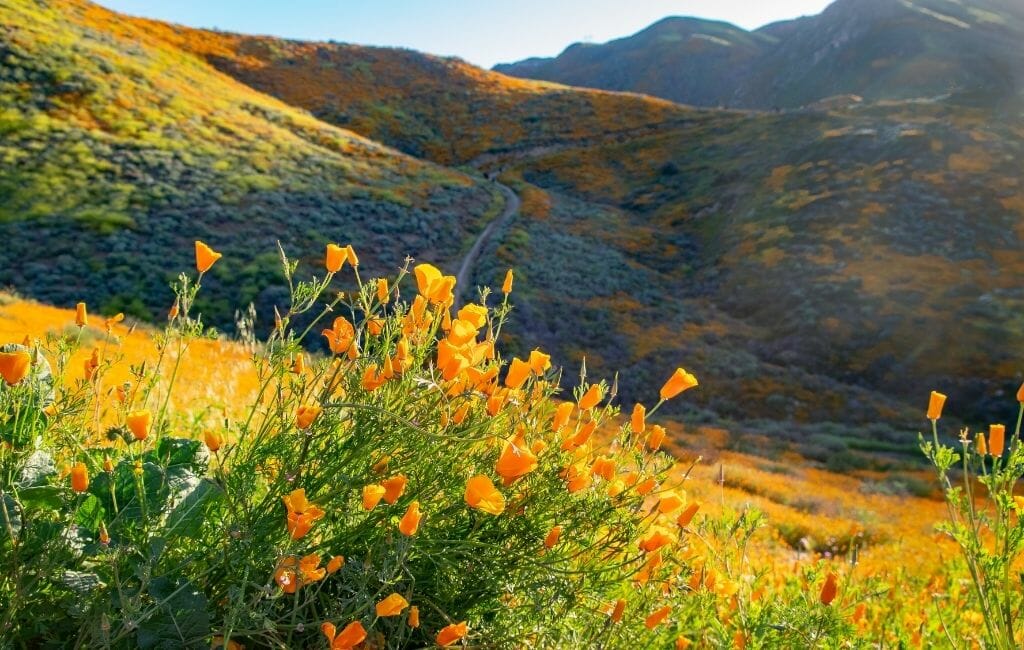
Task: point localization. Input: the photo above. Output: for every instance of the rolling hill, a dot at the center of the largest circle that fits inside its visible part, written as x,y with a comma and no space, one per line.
817,265
876,49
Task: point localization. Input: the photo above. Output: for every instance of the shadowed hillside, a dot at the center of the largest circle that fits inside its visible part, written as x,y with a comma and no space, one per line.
878,49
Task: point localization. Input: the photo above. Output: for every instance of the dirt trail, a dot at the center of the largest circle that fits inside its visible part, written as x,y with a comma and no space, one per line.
465,274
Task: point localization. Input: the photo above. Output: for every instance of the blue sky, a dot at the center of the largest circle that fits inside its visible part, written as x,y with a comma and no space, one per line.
483,32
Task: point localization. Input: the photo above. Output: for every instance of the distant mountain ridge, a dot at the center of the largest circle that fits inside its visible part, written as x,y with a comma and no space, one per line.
878,49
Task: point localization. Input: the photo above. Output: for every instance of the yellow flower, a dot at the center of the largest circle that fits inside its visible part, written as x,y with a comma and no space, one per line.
383,293
656,437
393,605
206,257
139,423
301,513
638,420
677,383
518,372
506,286
482,495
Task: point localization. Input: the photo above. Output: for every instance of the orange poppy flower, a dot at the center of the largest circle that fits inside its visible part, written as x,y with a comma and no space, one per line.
394,487
562,414
432,285
372,379
299,364
353,634
460,413
335,563
677,383
829,589
645,486
638,420
213,439
287,576
81,315
482,495
518,372
139,423
340,336
539,362
14,366
475,315
687,515
657,617
306,414
655,540
372,494
516,460
656,437
996,439
302,514
375,326
553,536
506,286
410,522
414,616
670,502
393,605
591,398
451,633
1020,393
604,467
935,403
383,293
335,258
206,257
982,445
581,437
309,567
108,465
79,477
616,610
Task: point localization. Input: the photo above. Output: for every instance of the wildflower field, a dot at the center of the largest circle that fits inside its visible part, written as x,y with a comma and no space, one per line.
414,488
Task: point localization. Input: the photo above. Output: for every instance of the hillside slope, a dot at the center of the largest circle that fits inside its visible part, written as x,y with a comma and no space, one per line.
878,49
118,149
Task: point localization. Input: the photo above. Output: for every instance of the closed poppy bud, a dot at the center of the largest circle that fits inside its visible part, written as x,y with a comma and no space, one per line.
14,366
982,447
90,365
414,616
206,257
518,371
682,643
506,286
212,439
335,563
139,423
1020,394
482,495
394,487
108,465
372,494
382,291
677,383
638,421
829,589
172,313
687,515
299,365
552,537
81,315
460,413
657,617
656,437
996,439
306,414
104,535
591,398
350,255
393,605
410,522
79,477
335,258
451,633
935,403
617,610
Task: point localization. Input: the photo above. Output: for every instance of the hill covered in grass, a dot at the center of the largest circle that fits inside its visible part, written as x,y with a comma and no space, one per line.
118,149
818,264
878,49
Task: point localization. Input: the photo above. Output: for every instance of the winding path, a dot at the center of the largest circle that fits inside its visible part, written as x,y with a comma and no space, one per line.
465,273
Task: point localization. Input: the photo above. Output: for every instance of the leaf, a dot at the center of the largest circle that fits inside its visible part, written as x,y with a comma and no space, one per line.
191,497
9,513
83,584
182,451
181,621
46,497
90,513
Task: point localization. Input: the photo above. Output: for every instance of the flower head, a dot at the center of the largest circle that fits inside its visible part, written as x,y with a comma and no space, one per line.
81,315
996,439
372,494
482,495
335,258
677,383
393,605
353,634
14,366
340,336
394,487
139,423
506,286
410,522
306,414
79,477
212,439
451,633
829,589
205,257
935,403
591,398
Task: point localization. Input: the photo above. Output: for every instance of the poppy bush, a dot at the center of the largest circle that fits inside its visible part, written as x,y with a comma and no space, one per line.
410,488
